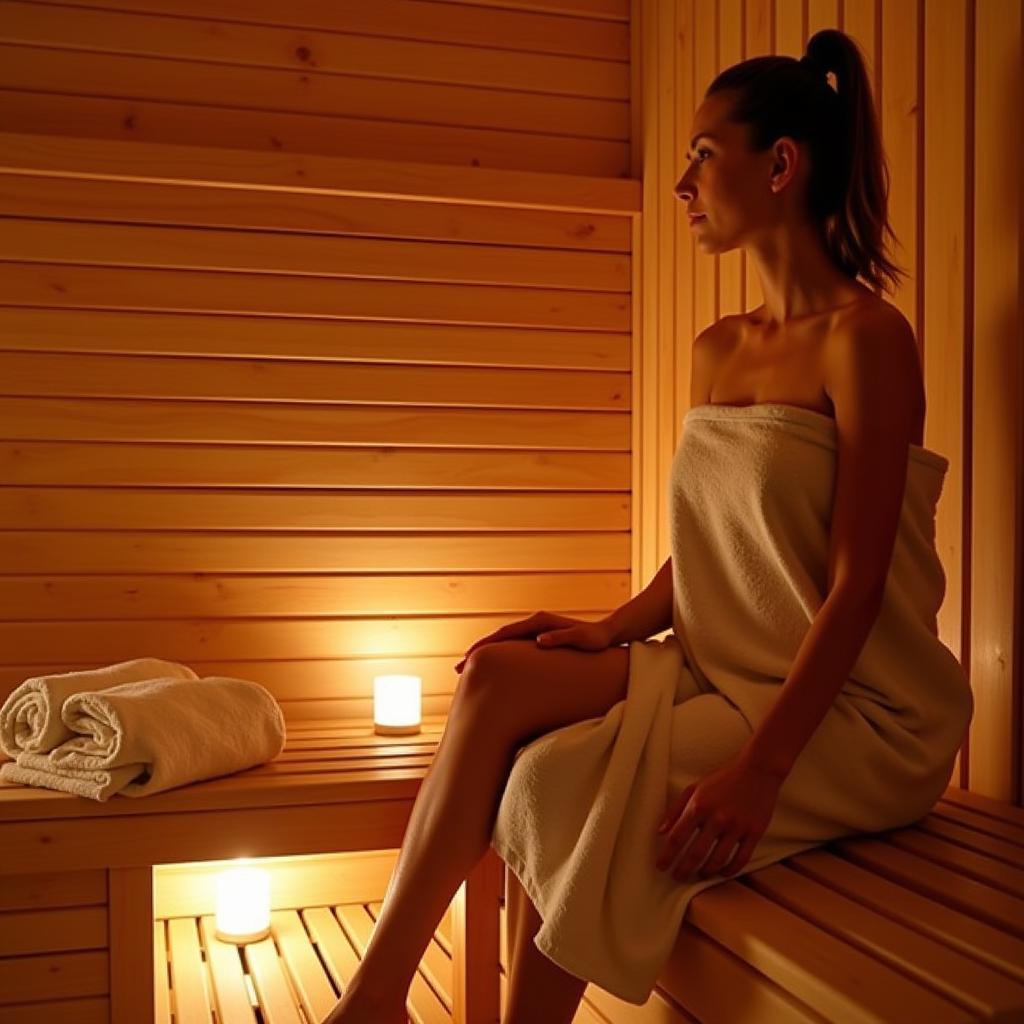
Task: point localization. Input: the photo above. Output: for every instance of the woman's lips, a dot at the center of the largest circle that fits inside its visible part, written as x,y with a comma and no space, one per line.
696,218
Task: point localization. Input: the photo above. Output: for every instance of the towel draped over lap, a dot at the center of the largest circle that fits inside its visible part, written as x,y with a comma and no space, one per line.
750,505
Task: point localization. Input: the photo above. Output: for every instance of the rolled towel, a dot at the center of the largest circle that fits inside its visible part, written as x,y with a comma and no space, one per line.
30,719
144,737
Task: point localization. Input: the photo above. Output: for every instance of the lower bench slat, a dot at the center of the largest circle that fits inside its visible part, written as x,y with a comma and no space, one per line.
974,898
957,929
947,972
832,977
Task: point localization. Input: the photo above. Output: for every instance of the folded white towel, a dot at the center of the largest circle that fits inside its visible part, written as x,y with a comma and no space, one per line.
144,737
31,716
38,770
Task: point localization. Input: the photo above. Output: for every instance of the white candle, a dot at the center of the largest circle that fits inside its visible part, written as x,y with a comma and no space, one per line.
397,705
243,904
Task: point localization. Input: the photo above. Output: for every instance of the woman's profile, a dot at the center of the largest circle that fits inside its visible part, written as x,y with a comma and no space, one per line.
803,693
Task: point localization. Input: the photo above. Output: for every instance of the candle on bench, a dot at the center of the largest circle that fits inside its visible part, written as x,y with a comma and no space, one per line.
396,705
243,905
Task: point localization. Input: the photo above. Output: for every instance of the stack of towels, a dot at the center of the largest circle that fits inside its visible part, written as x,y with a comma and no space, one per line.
135,728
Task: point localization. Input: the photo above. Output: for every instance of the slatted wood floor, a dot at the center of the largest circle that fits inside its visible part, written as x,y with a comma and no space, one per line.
294,976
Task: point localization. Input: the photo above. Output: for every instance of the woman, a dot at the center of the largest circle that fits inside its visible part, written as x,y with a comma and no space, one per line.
823,379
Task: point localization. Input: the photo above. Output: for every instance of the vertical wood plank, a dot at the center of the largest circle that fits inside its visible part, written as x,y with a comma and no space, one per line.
944,331
705,62
789,29
686,251
898,112
821,14
759,40
996,500
476,943
656,352
663,385
131,945
643,365
730,52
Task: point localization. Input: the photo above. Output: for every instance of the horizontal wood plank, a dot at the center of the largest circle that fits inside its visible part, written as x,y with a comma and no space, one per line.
183,205
81,1011
117,159
596,28
454,58
337,259
334,344
190,291
42,598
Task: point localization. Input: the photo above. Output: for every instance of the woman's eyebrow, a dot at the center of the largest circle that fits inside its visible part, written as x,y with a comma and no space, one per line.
703,135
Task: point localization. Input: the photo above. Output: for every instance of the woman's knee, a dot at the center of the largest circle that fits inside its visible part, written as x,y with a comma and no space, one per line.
532,690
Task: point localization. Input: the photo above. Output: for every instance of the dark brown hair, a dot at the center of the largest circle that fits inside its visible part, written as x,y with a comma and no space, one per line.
848,187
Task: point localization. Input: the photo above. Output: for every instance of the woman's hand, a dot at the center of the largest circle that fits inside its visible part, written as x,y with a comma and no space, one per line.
551,631
730,806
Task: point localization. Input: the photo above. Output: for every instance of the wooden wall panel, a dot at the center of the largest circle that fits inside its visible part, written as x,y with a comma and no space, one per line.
542,87
947,83
131,299
944,298
54,948
996,399
311,417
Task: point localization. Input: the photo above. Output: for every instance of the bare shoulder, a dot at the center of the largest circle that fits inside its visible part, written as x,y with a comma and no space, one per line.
873,322
873,311
876,338
707,351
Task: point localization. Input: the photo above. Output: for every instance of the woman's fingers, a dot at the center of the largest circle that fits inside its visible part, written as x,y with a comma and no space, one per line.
740,858
695,854
723,851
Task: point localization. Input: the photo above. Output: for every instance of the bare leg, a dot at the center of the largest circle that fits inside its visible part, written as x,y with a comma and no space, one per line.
449,830
539,989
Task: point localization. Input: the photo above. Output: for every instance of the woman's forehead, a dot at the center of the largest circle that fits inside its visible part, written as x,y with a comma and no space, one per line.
712,116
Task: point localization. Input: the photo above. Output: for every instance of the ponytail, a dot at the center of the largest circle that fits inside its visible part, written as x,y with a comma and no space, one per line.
848,186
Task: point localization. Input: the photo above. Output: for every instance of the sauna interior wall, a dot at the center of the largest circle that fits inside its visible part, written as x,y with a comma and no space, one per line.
321,501
301,438
946,78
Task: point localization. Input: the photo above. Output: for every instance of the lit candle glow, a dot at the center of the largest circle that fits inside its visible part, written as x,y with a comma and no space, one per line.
243,905
397,705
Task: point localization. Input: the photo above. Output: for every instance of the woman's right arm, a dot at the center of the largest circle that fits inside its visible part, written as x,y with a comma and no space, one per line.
647,614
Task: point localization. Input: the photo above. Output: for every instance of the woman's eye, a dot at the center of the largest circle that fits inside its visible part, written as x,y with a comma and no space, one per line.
699,151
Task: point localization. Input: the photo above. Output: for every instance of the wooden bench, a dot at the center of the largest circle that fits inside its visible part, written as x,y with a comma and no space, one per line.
77,875
925,922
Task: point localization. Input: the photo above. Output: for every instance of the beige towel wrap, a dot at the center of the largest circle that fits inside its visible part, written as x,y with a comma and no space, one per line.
750,503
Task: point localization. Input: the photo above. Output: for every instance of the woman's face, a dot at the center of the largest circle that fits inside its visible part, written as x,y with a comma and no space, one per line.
735,190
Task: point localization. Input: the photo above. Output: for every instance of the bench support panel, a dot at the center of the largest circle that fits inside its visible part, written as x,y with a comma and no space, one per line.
476,953
131,945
